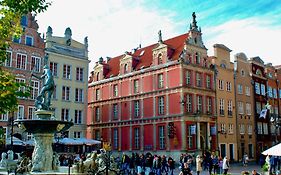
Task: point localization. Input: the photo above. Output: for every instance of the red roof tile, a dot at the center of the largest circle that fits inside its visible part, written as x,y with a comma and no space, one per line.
145,60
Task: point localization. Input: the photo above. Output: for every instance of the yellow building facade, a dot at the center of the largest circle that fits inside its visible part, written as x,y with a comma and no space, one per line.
68,60
225,98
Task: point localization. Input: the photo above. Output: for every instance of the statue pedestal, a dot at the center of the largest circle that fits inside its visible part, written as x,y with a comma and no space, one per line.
42,156
44,114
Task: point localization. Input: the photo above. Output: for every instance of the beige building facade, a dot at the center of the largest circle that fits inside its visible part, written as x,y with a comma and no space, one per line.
68,60
225,99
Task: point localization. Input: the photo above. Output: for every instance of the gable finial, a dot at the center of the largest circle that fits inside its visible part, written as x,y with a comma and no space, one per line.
194,22
160,37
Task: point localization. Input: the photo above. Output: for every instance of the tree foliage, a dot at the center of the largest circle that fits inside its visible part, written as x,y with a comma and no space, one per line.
11,12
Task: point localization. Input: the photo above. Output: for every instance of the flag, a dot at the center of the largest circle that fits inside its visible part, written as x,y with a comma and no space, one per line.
263,113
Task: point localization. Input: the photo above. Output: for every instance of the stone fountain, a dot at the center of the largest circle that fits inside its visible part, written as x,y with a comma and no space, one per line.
44,125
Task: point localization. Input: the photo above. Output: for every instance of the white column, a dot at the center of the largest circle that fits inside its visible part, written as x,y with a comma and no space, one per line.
183,135
208,135
198,136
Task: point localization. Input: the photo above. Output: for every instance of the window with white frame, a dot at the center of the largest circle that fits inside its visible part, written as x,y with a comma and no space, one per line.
35,63
160,81
161,137
248,109
115,138
240,88
136,138
259,128
35,89
247,91
242,128
262,89
21,61
265,128
97,94
269,91
136,108
197,58
198,79
65,114
199,103
189,102
190,137
31,110
54,68
250,129
79,73
78,115
115,111
208,81
17,39
228,86
79,93
257,88
136,86
220,84
223,127
4,117
29,40
240,107
229,107
161,105
274,93
125,68
8,60
188,77
258,107
66,71
115,90
21,80
20,112
77,134
97,117
160,59
221,106
65,93
209,105
230,128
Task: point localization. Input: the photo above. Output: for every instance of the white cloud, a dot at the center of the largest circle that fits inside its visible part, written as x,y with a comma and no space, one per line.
253,36
112,27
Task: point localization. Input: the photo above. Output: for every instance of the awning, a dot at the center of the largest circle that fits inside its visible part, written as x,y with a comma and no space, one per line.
273,151
69,141
86,141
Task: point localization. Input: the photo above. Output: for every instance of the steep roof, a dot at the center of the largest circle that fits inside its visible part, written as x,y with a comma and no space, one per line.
145,56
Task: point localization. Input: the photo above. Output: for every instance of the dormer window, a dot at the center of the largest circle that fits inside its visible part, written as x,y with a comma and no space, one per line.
125,68
160,59
195,40
29,40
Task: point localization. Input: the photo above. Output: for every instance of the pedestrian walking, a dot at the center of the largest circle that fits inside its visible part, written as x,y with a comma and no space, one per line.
199,162
225,165
185,170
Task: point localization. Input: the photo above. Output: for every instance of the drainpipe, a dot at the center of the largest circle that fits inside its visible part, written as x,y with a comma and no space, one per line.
216,110
235,102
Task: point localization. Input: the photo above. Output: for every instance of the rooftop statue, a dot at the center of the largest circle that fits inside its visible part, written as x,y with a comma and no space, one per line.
43,100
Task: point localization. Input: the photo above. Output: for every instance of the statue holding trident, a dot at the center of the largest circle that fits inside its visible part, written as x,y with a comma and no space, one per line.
43,101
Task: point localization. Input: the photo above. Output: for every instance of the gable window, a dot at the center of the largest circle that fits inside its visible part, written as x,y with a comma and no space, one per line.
78,117
137,138
136,86
161,105
97,94
21,61
79,95
66,71
65,93
79,74
23,21
98,76
125,68
115,90
160,59
8,60
197,58
35,63
29,40
54,68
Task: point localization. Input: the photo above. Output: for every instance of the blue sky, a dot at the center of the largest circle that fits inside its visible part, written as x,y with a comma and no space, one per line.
116,26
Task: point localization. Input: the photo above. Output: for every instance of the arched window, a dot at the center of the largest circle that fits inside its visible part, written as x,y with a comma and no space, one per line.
98,75
160,59
197,58
125,68
258,72
242,73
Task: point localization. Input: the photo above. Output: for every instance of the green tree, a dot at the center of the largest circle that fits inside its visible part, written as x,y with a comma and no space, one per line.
11,12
